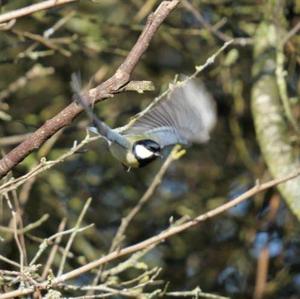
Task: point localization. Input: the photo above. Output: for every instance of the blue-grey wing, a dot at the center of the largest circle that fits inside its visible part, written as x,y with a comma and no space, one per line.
187,115
165,136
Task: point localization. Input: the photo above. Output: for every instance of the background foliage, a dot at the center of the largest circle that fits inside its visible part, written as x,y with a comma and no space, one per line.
223,254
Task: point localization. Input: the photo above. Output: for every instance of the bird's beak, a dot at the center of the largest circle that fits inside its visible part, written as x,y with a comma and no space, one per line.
158,155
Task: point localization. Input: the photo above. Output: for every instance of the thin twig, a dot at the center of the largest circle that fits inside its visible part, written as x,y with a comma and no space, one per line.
43,41
130,262
243,41
15,224
9,261
45,165
61,22
72,236
146,279
27,228
46,241
262,272
174,230
175,154
152,273
54,249
196,293
19,213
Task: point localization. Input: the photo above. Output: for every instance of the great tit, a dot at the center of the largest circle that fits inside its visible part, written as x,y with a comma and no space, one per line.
187,114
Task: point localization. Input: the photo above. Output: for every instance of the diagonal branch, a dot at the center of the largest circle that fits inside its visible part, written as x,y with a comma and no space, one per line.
159,238
18,13
104,90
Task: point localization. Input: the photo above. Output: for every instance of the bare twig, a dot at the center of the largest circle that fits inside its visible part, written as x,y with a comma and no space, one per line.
104,90
131,288
152,273
263,260
28,10
27,228
46,242
72,236
9,261
19,213
262,273
18,242
130,262
175,154
44,165
174,230
195,293
43,41
54,249
15,139
106,291
47,33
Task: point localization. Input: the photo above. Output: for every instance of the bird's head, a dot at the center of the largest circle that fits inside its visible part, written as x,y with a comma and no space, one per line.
146,151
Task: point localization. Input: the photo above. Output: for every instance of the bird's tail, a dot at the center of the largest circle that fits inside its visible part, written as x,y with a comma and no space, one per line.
99,127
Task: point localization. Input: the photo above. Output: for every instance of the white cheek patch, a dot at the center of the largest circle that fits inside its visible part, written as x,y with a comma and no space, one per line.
142,152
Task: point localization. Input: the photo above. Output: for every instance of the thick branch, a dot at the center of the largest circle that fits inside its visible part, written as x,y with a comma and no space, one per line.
104,90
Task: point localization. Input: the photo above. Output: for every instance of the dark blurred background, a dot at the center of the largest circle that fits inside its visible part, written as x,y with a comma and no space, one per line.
221,255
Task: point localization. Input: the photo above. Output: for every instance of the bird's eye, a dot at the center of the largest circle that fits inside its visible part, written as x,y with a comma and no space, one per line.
154,147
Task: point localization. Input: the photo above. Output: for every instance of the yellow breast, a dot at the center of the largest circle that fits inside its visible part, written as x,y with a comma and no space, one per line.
125,156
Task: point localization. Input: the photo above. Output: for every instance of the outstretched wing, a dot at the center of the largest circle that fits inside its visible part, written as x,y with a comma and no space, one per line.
187,115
